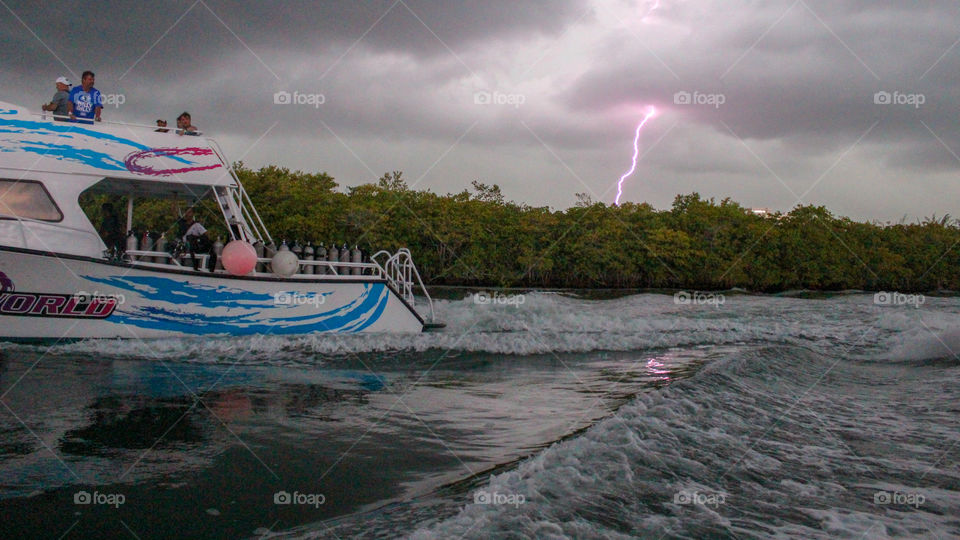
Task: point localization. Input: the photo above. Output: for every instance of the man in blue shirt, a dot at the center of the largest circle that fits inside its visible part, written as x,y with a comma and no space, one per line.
85,100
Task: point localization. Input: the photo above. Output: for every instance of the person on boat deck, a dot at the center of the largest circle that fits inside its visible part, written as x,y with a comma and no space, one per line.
110,230
185,126
58,106
196,239
161,126
86,102
184,221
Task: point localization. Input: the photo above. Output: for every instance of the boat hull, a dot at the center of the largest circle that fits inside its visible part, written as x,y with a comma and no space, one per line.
48,296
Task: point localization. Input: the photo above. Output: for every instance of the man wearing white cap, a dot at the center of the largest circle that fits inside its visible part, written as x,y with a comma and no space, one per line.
60,99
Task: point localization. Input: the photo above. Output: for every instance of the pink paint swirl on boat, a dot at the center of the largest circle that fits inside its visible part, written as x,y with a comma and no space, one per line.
133,161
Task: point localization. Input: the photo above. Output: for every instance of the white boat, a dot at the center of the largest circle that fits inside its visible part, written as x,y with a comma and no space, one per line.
59,280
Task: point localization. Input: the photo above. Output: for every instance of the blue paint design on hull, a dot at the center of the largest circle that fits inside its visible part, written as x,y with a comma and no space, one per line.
245,313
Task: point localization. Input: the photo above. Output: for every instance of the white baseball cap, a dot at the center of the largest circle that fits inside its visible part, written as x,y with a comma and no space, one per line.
63,80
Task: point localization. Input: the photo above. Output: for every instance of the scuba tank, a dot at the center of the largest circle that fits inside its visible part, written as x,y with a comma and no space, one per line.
356,256
333,255
161,245
344,258
308,256
321,255
132,241
217,251
146,244
269,251
284,246
258,247
298,251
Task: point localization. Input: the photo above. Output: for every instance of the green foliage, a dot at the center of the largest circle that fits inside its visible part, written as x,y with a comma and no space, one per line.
479,238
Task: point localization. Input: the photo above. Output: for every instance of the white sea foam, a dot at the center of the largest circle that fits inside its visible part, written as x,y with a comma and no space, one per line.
552,323
741,451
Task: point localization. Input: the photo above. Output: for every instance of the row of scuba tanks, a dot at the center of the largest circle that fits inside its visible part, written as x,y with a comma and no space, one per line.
308,252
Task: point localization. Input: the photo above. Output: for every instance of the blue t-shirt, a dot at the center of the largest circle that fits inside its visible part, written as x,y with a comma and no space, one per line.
85,103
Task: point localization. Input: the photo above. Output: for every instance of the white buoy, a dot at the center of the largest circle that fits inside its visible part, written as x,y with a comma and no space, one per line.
284,263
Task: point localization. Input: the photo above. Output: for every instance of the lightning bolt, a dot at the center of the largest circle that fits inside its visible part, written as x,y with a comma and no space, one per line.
653,7
636,152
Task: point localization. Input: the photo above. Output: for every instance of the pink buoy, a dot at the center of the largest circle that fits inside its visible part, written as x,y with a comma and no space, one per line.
239,258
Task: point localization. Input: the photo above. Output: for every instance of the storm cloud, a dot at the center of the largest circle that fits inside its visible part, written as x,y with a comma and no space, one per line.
850,104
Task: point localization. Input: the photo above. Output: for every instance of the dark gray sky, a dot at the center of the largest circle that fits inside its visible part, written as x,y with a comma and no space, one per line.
788,108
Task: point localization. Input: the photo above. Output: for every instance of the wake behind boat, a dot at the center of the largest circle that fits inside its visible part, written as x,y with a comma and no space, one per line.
59,279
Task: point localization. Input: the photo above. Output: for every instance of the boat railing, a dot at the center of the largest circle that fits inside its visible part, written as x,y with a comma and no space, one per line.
163,259
46,115
397,269
321,269
402,273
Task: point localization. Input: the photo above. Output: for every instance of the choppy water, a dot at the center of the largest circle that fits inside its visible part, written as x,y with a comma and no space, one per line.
558,417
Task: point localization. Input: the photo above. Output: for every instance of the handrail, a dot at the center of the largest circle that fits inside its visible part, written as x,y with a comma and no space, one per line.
248,211
247,208
88,121
223,212
400,271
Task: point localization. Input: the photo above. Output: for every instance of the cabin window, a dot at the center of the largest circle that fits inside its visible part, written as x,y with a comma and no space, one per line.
26,199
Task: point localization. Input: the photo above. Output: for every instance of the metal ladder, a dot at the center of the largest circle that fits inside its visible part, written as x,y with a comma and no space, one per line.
402,274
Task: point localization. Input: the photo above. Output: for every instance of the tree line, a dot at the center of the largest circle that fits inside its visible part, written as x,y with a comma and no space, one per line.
478,238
